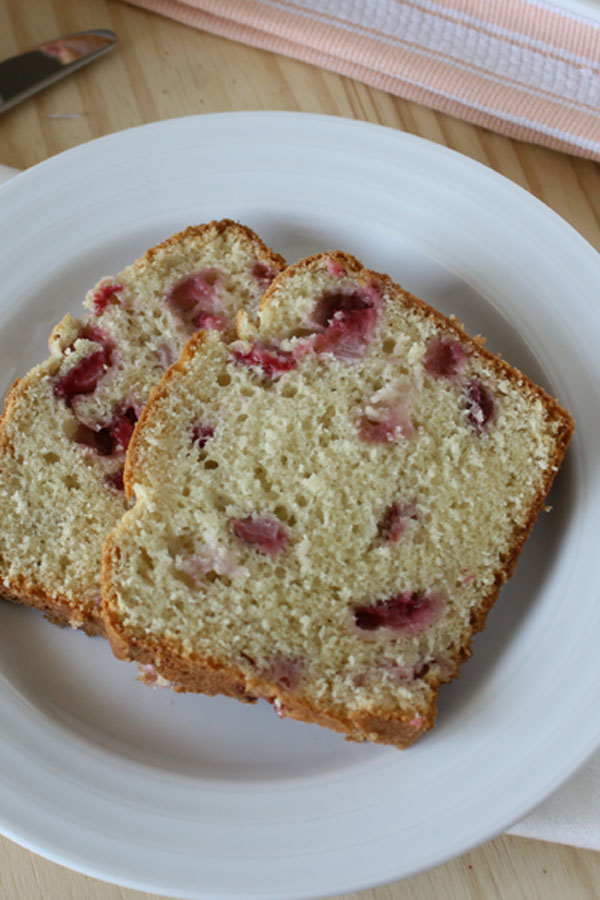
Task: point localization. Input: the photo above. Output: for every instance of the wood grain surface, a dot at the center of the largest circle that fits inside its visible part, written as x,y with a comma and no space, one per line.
161,70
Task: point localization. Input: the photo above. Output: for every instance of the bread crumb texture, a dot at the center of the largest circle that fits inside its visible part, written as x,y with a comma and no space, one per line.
68,422
325,511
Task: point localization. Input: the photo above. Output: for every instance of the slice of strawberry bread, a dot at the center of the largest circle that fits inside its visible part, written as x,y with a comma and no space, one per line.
326,509
68,422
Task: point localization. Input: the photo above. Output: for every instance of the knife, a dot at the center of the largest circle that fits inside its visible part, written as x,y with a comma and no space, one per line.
23,75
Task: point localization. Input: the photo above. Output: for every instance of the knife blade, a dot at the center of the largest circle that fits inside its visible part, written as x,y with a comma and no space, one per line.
25,74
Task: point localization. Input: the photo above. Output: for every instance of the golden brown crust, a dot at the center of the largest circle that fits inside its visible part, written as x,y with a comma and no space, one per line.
479,616
510,560
219,226
58,610
194,674
15,393
401,727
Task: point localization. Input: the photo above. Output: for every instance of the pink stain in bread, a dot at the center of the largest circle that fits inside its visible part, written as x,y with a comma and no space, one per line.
383,431
265,533
263,273
285,671
194,290
444,358
121,428
115,480
110,438
387,416
335,268
480,405
211,322
346,338
201,434
197,300
102,296
395,520
389,670
219,560
361,678
397,673
345,321
272,361
407,613
83,378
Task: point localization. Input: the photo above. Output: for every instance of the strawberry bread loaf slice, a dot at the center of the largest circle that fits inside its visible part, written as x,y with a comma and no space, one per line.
68,422
326,509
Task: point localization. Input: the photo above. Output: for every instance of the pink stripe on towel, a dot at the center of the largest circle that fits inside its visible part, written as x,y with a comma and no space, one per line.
520,67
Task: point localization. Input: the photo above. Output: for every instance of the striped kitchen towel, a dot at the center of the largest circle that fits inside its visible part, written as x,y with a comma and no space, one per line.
525,68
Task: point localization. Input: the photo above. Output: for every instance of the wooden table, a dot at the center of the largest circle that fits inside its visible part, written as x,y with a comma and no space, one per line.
163,70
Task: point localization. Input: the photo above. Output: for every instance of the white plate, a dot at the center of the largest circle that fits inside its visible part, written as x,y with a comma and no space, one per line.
198,797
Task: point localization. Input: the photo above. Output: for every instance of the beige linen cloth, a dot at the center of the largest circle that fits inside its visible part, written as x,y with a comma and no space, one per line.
525,68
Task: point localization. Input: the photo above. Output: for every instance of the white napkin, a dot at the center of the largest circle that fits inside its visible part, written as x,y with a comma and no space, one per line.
572,814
